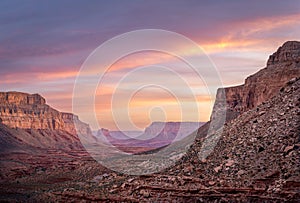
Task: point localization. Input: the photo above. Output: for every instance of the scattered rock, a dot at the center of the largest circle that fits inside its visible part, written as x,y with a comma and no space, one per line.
261,113
145,193
288,148
211,183
241,172
217,169
229,163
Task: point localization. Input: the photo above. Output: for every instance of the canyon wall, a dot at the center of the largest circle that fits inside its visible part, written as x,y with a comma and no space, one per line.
282,66
30,111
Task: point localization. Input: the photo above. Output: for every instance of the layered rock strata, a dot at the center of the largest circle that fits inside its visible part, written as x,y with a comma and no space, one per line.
30,111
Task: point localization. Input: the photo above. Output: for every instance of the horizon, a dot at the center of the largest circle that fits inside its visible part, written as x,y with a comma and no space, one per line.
48,51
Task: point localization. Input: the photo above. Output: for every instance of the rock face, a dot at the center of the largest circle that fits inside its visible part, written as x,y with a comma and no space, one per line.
282,66
19,98
288,52
30,111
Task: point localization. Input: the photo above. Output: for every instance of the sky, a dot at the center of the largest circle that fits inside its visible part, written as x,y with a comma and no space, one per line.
43,45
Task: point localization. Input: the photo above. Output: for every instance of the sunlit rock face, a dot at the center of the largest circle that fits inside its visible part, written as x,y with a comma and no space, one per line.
19,98
30,111
282,66
288,52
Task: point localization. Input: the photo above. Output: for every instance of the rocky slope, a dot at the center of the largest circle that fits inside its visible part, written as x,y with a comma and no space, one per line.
258,150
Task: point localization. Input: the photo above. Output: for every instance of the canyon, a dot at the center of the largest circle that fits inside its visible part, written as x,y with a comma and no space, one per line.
255,159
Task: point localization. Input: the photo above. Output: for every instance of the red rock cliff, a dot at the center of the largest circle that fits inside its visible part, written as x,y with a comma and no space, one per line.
30,111
281,67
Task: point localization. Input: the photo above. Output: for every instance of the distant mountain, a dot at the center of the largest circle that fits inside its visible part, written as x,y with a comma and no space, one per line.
158,134
122,135
125,134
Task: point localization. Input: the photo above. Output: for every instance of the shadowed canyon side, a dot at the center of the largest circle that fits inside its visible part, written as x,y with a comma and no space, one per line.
255,160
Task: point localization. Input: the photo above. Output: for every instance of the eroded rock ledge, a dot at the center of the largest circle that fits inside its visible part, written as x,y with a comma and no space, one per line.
30,111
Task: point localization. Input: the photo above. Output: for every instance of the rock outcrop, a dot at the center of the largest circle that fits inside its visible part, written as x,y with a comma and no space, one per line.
288,52
281,67
30,111
19,98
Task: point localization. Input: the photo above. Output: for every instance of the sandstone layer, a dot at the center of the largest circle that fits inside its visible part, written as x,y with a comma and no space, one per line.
30,111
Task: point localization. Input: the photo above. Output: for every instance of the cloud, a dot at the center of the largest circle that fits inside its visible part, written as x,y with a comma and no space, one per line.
252,33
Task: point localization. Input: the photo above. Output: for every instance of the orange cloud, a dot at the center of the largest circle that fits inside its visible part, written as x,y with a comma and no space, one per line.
242,34
140,59
267,24
36,76
140,106
56,75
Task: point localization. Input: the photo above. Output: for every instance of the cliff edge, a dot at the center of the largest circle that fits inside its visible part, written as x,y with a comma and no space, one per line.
282,66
